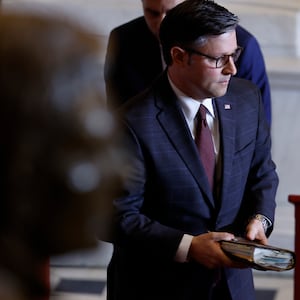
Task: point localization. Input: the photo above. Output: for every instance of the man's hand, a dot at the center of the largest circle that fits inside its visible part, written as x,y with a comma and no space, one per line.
206,250
255,231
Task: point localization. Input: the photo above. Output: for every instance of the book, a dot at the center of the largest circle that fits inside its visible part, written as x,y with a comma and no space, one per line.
259,256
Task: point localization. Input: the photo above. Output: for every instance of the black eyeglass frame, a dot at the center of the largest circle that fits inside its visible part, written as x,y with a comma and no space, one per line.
223,58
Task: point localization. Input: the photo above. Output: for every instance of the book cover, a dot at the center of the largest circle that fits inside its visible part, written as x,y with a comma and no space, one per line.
259,256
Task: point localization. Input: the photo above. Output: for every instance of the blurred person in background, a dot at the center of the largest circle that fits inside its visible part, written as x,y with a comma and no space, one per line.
61,161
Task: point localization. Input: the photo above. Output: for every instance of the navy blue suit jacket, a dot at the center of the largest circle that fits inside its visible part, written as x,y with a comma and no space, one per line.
167,193
133,61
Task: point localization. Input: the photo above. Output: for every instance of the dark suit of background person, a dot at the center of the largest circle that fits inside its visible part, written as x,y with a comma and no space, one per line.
134,60
168,195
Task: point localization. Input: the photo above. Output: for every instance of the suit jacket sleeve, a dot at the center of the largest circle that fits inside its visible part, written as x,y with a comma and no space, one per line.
251,66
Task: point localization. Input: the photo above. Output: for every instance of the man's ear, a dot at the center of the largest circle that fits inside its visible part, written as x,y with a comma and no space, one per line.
178,55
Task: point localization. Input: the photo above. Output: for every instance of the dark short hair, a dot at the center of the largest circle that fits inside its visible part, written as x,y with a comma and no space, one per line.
193,20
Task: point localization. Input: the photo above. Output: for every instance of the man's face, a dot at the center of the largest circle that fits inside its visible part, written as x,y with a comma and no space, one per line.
155,11
197,75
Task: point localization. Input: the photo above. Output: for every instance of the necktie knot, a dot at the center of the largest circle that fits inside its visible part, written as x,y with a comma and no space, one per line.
202,114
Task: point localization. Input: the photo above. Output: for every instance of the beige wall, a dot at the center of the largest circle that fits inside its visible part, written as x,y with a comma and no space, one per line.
269,20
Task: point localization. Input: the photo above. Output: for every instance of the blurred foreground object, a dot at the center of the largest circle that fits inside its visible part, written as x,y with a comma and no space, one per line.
61,163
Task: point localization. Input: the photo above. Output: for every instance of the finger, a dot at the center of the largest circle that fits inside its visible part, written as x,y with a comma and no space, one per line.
218,236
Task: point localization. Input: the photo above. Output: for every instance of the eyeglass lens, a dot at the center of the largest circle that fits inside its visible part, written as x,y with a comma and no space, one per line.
223,60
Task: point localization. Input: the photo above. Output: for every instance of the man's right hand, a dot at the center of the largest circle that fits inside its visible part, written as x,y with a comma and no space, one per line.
205,249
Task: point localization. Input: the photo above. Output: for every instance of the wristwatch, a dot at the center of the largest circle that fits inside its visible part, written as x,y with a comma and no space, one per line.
265,222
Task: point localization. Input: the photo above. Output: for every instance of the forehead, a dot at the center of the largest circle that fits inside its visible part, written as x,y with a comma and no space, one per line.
160,5
221,44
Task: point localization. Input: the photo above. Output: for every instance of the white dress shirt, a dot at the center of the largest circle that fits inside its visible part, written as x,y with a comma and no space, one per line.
190,108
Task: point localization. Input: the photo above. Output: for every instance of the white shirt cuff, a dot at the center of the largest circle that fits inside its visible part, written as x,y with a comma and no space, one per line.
183,249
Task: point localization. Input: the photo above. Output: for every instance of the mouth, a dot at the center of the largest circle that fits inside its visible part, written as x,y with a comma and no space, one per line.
225,81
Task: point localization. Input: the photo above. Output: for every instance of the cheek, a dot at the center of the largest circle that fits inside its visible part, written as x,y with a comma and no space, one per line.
211,77
202,78
200,71
208,82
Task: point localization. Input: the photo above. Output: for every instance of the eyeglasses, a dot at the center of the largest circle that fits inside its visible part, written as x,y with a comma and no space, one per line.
220,61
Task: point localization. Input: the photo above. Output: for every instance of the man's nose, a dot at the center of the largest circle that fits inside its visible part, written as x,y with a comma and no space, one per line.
230,67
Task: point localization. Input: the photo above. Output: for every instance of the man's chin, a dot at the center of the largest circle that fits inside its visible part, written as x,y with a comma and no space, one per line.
222,90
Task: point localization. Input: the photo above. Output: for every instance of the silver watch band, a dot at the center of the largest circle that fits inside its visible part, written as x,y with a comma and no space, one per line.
265,222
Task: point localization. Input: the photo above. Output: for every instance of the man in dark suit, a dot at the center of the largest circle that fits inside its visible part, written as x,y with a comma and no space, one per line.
168,220
134,58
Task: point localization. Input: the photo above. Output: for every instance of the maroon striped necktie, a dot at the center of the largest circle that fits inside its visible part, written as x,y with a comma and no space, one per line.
204,142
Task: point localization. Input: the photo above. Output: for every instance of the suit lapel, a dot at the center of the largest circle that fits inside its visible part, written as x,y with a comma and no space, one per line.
174,125
226,109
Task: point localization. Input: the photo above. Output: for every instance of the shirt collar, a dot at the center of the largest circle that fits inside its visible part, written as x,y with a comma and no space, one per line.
191,106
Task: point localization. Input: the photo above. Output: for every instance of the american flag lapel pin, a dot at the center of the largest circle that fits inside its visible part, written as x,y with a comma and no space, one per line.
227,106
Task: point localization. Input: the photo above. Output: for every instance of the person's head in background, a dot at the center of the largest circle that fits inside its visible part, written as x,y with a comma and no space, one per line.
155,11
60,158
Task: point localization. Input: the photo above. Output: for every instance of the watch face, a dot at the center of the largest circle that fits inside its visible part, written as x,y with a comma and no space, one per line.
263,220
